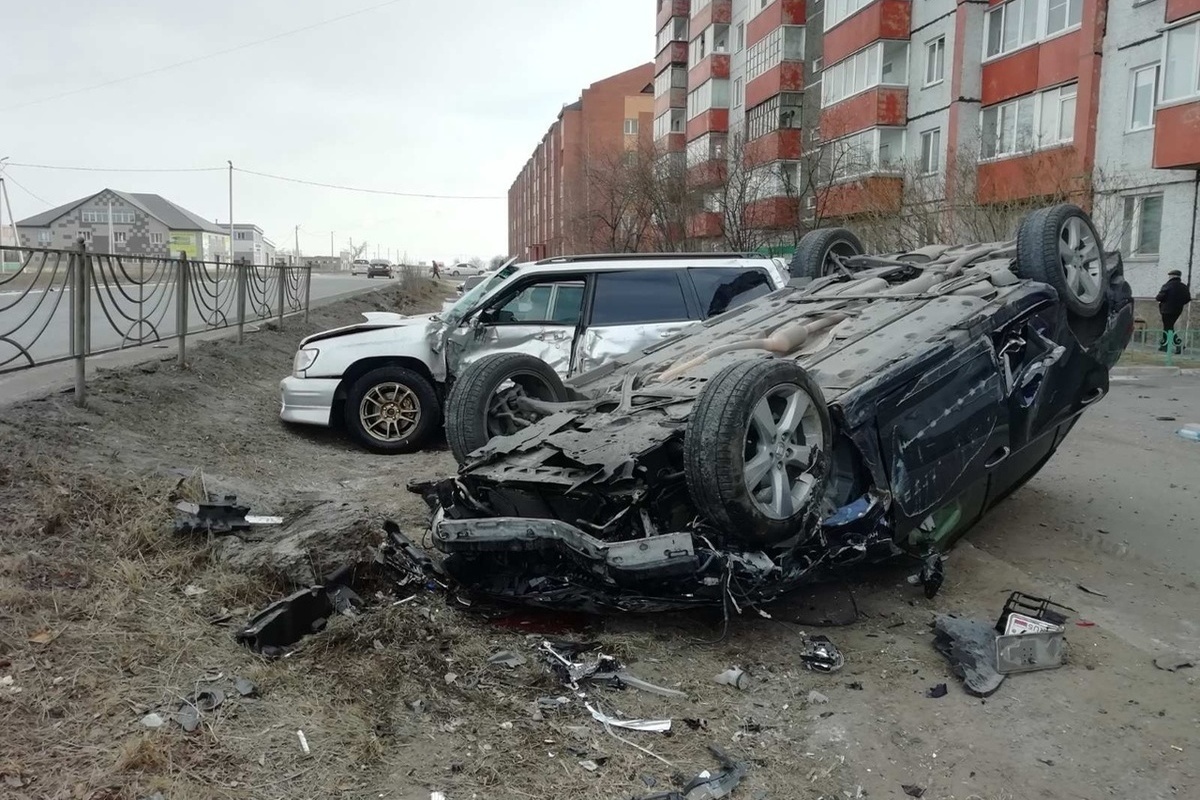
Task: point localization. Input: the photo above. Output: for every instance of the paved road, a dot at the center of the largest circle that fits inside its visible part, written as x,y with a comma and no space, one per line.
53,312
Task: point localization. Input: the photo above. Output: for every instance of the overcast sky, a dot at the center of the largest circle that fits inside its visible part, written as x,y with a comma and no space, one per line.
424,96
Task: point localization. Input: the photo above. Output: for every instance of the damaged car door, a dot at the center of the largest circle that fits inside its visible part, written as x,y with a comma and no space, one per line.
536,317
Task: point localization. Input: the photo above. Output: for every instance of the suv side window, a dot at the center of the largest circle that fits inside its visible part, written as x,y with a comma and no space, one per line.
722,289
557,302
638,297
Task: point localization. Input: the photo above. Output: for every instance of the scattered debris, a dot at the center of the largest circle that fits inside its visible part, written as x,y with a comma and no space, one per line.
207,700
696,724
1085,589
707,786
1177,747
8,685
1027,652
188,718
44,636
912,790
245,687
192,590
153,721
215,517
301,613
815,698
1029,606
1173,662
648,725
508,659
735,677
1085,623
450,677
303,743
589,765
553,703
936,691
821,655
970,647
855,685
561,658
1165,418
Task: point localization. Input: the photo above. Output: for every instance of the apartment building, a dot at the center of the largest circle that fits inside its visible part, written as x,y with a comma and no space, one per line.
562,202
935,118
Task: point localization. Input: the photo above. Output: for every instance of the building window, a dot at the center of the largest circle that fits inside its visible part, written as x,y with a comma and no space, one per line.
709,147
668,79
866,152
698,6
714,39
838,10
1045,119
670,122
779,179
781,111
931,151
1020,23
785,43
740,38
935,61
737,93
45,237
119,237
1143,87
156,238
884,62
713,93
1143,225
631,127
1181,66
674,31
85,235
123,217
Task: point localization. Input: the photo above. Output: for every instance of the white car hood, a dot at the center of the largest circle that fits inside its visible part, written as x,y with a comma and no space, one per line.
376,320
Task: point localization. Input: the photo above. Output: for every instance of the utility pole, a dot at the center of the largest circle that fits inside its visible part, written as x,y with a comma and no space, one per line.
331,244
231,214
297,245
112,243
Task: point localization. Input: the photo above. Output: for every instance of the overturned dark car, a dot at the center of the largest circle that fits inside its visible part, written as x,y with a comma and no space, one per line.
876,407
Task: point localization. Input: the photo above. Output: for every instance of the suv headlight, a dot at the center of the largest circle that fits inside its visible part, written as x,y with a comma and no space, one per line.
303,360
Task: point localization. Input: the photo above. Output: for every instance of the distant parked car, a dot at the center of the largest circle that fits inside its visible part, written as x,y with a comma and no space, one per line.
360,266
460,270
380,269
470,283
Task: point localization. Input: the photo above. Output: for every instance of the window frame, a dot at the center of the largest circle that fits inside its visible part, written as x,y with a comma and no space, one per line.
599,275
1166,51
937,49
838,11
634,125
1041,25
1132,227
45,237
1130,123
533,282
836,75
1013,107
157,238
871,165
931,157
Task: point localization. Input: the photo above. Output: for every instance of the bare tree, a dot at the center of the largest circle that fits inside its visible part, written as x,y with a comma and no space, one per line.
614,215
476,262
356,250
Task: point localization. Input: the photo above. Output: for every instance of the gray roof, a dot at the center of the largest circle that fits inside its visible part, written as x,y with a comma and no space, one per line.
173,216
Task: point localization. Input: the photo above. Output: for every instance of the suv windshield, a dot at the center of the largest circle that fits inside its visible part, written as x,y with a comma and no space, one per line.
470,299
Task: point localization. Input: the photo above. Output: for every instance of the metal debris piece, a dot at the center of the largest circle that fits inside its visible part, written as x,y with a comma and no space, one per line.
647,725
821,655
303,742
1019,623
735,677
301,613
970,647
508,659
1174,662
1039,608
553,703
1028,652
217,516
245,687
258,519
707,786
1086,590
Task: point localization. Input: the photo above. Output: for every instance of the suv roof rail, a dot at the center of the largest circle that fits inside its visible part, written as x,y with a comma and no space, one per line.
643,257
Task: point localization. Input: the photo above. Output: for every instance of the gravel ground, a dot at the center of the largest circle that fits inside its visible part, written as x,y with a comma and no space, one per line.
106,617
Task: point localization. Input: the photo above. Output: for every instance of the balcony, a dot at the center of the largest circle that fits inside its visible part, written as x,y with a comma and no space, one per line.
773,213
1180,9
708,174
718,12
674,53
883,106
1036,67
1176,133
715,120
787,77
1056,173
705,225
671,143
779,145
714,65
676,97
885,19
879,194
671,8
780,12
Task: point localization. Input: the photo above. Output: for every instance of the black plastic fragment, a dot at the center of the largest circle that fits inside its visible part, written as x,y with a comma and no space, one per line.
215,517
970,647
1032,606
912,790
290,619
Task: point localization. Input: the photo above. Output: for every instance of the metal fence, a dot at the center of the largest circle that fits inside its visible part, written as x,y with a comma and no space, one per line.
71,304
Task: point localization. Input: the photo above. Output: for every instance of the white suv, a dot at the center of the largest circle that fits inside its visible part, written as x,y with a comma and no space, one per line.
386,379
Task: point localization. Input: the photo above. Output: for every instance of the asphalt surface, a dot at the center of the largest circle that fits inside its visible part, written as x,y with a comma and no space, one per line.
54,314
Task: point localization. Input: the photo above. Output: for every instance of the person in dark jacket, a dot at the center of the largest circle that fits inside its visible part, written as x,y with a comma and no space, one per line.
1172,298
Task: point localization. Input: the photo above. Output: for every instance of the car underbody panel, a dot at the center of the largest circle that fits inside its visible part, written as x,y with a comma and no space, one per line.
949,381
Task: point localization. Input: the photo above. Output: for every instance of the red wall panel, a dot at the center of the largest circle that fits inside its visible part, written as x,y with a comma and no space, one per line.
872,108
885,19
1177,137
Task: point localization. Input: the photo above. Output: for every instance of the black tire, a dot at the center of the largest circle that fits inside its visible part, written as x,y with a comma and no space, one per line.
468,423
1082,283
419,391
811,259
718,438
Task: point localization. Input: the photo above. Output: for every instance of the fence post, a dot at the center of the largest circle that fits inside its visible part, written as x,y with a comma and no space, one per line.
79,321
184,287
1170,338
282,293
241,298
307,290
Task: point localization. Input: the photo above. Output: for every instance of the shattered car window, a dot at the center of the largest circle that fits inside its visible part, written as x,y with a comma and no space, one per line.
628,298
471,299
723,289
543,302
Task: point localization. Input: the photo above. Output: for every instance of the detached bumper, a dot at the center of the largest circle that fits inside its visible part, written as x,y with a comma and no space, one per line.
307,401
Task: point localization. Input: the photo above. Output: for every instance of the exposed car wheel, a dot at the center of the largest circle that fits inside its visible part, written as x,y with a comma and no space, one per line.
756,450
482,402
391,410
812,256
1059,246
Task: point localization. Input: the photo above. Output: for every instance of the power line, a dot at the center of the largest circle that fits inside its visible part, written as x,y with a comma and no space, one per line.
205,57
369,191
119,169
22,187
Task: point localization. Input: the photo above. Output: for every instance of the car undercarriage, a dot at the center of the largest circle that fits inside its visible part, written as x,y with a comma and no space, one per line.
876,407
